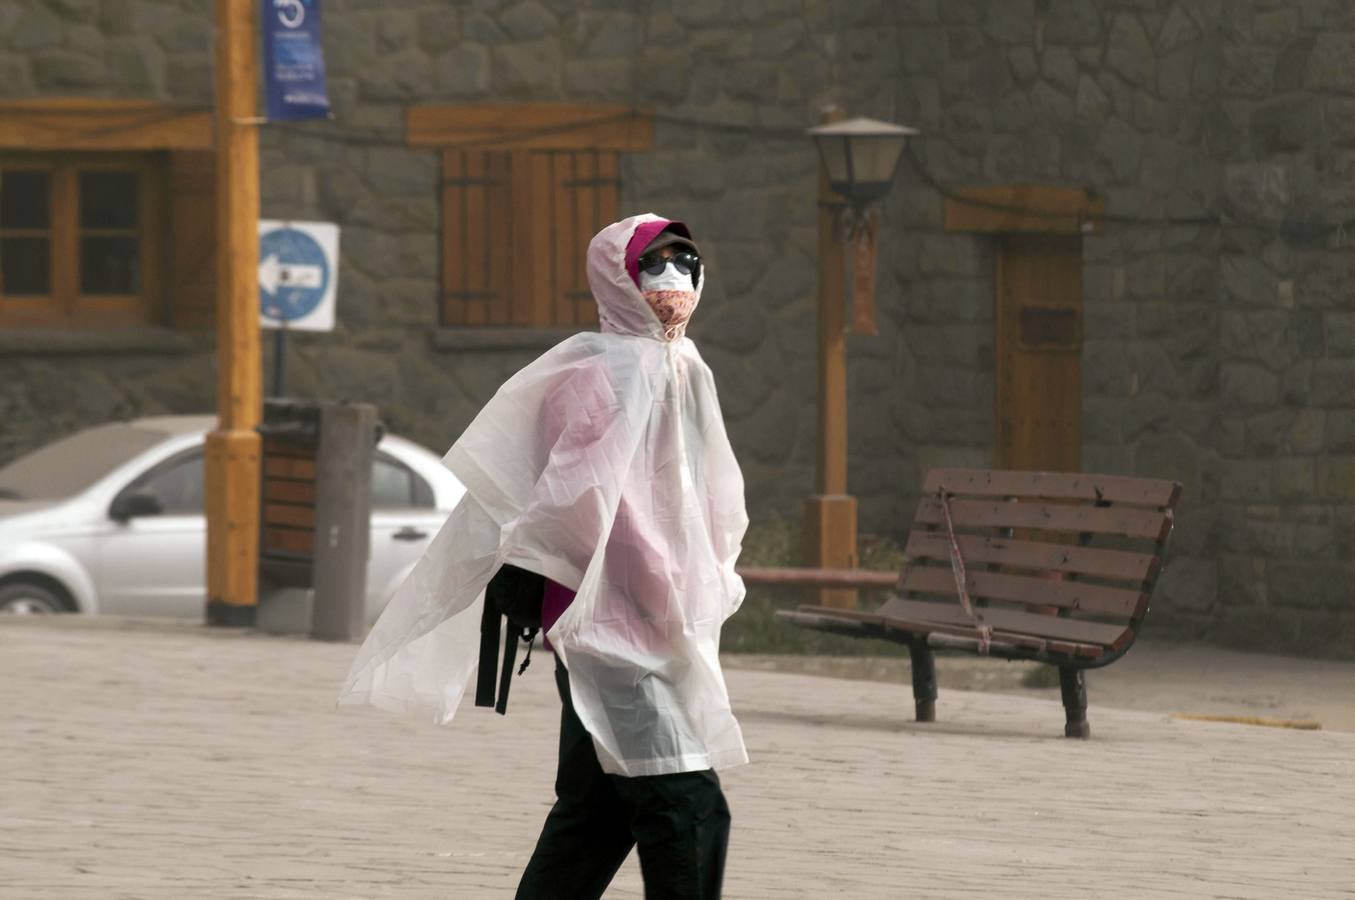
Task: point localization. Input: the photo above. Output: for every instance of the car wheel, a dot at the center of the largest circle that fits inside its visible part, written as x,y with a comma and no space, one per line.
27,599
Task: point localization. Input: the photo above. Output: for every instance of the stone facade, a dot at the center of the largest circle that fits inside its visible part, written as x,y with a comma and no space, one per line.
1219,340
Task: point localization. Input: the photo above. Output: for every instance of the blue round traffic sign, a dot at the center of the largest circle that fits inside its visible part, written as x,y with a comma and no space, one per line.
293,274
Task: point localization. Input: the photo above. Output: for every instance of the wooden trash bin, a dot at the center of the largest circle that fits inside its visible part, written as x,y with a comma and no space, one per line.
315,522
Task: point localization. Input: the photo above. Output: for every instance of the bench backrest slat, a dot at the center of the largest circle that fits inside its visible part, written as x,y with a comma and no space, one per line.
1094,599
1039,627
1110,564
1129,521
1153,492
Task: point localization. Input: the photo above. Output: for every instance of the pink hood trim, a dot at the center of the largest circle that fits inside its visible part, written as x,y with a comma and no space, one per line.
644,233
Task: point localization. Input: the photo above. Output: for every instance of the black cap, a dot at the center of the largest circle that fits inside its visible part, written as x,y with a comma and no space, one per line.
667,237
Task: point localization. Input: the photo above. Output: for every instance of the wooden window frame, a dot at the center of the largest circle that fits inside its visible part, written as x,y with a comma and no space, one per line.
101,125
524,186
1006,209
170,147
66,304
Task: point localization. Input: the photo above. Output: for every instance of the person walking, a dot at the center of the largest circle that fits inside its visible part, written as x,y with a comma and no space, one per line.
603,466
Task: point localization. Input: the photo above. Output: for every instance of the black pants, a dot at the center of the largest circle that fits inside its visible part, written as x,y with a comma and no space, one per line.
679,822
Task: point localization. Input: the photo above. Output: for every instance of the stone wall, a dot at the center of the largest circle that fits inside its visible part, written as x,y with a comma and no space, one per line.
1115,97
1219,355
1287,375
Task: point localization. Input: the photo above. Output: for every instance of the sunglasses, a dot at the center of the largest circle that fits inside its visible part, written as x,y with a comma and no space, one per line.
686,263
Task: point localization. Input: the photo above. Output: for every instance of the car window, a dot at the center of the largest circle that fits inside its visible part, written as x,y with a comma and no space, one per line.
396,486
68,466
178,484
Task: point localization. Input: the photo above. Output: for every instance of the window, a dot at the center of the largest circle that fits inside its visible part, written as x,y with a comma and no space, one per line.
524,189
80,239
107,213
25,233
395,486
177,484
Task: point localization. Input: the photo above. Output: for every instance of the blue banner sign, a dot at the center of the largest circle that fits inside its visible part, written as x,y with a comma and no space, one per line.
294,60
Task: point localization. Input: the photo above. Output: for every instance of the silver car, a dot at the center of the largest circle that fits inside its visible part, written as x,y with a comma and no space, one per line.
70,541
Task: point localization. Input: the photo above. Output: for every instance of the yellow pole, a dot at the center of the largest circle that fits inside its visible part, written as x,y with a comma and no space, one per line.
831,514
232,452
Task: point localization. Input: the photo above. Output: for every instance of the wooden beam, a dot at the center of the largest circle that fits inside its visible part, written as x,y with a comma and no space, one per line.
1015,208
79,123
830,531
832,340
830,516
865,579
232,452
531,126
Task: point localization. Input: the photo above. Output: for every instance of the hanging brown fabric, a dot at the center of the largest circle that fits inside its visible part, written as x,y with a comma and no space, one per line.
863,275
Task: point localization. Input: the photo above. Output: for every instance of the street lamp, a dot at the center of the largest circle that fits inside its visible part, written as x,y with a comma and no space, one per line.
860,158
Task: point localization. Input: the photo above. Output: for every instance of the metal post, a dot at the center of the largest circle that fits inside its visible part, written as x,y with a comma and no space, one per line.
280,360
1073,687
923,664
232,451
343,509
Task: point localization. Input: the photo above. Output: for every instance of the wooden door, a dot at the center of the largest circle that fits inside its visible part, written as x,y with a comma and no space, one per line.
1038,349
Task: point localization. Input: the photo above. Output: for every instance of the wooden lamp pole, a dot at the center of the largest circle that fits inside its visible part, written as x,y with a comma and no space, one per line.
831,513
232,452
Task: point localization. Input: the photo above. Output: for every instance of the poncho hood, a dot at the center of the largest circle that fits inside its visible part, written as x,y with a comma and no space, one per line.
613,273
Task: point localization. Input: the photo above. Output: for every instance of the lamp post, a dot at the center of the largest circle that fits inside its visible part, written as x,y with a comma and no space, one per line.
858,161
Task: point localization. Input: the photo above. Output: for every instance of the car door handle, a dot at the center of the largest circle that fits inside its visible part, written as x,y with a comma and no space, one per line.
409,533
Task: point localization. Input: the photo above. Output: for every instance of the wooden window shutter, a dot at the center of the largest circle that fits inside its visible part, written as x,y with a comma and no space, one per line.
476,238
518,210
532,217
587,185
515,229
192,201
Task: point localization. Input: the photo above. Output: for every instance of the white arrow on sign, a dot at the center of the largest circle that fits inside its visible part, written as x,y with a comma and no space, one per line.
274,273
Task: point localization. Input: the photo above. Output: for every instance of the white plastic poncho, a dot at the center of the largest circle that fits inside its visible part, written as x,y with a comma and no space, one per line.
603,465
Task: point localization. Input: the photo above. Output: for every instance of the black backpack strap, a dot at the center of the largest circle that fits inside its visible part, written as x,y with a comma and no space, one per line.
490,622
510,652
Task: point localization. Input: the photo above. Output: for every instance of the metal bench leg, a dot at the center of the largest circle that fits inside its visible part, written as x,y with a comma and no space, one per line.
924,678
1073,684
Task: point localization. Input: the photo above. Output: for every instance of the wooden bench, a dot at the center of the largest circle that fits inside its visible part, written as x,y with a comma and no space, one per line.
1057,568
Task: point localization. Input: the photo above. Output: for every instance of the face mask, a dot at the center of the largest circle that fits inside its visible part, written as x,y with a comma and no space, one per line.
672,298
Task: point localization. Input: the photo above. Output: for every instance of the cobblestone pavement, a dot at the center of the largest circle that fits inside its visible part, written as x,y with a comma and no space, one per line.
149,762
